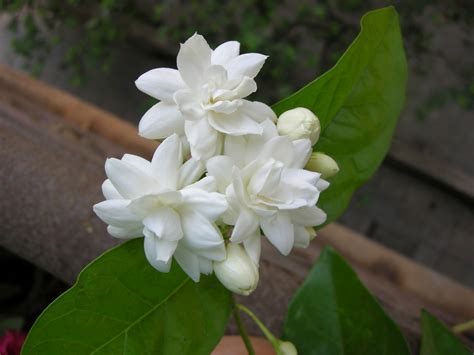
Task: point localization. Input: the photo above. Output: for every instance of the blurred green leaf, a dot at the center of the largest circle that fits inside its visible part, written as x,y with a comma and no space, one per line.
358,102
437,339
332,313
121,305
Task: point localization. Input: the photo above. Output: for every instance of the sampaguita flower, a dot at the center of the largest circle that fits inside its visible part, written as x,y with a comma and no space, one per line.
266,187
164,201
204,99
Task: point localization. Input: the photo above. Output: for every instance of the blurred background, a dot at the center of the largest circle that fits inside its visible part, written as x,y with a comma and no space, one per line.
421,201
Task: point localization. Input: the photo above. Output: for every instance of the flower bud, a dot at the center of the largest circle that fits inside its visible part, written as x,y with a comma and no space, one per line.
299,123
237,272
287,348
312,233
323,164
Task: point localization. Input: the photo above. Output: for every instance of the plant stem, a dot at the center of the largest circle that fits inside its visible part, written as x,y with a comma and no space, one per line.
271,338
464,326
242,330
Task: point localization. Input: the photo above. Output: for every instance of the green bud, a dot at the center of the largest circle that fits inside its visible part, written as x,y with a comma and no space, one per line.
323,164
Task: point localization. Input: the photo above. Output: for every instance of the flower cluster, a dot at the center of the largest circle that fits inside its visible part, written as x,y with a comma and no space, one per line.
225,174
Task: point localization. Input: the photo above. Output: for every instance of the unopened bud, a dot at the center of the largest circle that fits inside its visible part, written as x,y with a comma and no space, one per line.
299,123
287,348
311,232
323,164
237,272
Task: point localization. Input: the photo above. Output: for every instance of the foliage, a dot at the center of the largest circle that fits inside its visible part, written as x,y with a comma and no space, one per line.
121,304
438,339
332,313
358,103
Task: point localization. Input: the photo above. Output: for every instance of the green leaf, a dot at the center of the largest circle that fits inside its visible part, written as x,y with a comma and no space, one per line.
333,313
437,339
121,305
358,102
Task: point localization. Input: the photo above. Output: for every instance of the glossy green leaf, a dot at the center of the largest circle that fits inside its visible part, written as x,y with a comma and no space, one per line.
333,314
121,305
437,339
358,102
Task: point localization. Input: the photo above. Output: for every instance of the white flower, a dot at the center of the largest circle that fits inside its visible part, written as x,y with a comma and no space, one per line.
323,164
163,201
237,272
204,98
267,188
299,123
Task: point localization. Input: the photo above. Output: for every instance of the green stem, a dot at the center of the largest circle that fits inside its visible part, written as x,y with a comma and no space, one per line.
271,338
242,330
464,326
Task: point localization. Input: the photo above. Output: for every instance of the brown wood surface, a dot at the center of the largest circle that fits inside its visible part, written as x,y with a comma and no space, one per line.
427,164
53,148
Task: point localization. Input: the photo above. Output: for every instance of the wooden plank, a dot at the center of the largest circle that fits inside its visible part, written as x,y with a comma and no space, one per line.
431,167
17,86
435,289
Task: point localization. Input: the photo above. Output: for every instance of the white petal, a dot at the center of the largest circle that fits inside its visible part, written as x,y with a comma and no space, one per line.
165,223
145,205
207,183
253,246
235,123
238,188
224,107
280,232
209,204
216,74
266,180
125,233
138,162
205,266
303,150
160,83
194,58
109,191
278,148
296,176
129,181
246,87
258,111
290,197
245,227
161,121
308,216
225,52
203,139
202,236
236,147
190,172
167,161
220,167
302,237
189,104
322,184
162,261
248,64
117,213
188,261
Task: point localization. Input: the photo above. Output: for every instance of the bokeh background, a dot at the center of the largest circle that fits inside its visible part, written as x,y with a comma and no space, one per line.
420,203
